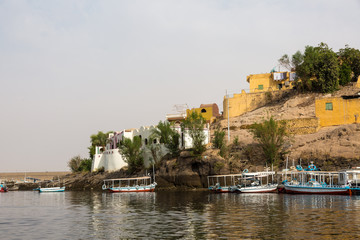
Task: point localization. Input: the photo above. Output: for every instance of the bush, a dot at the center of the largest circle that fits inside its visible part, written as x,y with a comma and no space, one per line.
218,166
194,125
271,136
78,164
236,141
219,138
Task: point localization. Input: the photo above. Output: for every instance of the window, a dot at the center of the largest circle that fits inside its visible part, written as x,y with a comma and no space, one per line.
261,87
203,110
329,106
146,141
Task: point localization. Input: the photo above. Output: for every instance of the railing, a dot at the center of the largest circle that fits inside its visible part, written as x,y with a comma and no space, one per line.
315,186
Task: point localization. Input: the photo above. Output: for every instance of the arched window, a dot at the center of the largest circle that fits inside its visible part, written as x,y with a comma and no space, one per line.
155,141
203,110
146,141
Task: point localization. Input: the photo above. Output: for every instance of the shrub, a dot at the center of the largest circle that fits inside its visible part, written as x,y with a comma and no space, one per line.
271,136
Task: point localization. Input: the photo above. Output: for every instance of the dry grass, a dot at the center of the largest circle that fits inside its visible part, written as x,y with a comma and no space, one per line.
39,175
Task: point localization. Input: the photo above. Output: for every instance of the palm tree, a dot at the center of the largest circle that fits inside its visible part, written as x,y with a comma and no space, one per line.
99,139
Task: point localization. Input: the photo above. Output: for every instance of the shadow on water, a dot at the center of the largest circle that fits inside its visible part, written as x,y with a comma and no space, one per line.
189,215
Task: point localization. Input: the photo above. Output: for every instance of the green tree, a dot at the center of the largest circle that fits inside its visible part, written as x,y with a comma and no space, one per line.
271,136
344,74
219,141
85,165
319,70
99,139
132,153
350,57
168,136
194,126
78,164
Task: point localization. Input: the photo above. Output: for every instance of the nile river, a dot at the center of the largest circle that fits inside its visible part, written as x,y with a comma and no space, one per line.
185,215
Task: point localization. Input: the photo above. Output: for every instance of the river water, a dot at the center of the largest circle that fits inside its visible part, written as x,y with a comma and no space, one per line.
185,215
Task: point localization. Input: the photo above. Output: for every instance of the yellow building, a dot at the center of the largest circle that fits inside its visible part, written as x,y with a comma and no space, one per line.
208,111
240,103
338,110
271,81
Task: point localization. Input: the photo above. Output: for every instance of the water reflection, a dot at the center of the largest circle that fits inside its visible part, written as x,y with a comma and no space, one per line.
188,215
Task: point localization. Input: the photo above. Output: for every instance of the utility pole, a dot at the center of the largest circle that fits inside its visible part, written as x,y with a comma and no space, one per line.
227,98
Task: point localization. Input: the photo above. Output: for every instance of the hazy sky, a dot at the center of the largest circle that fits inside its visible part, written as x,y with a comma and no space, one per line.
71,68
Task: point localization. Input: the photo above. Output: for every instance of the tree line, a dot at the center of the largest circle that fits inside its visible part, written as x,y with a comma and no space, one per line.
320,69
132,150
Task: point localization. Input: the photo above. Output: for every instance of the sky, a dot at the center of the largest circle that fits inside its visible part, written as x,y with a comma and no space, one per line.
71,68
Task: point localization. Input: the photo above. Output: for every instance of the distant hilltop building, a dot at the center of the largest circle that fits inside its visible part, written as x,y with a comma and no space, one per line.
264,88
209,112
271,81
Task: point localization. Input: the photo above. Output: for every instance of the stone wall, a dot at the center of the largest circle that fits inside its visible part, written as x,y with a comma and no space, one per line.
302,125
246,102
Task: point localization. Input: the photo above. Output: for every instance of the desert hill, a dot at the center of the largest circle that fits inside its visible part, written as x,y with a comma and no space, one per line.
330,147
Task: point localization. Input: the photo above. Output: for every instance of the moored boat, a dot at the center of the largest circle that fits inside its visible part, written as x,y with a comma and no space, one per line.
137,184
3,187
314,187
258,182
317,182
223,183
352,178
51,189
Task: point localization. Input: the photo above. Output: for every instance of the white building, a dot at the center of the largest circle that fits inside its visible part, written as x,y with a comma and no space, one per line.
111,159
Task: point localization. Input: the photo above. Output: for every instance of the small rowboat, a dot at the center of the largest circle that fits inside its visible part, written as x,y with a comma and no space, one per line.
51,189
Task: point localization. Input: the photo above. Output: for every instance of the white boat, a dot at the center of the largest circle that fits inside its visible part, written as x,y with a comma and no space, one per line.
137,184
352,178
51,189
317,182
257,182
223,183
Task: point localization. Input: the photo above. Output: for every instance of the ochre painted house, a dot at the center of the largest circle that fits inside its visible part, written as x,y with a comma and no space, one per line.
338,110
271,81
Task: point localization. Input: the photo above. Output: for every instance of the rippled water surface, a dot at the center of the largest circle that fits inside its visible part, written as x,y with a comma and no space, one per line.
186,215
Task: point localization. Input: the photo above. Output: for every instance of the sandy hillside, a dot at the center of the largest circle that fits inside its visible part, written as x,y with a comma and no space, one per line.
328,145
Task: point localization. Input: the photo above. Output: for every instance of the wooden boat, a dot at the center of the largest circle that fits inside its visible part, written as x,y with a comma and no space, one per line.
137,184
317,182
257,182
51,189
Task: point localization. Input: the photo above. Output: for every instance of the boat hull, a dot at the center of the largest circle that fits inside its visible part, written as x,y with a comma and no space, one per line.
355,191
230,189
317,190
131,189
259,189
54,189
